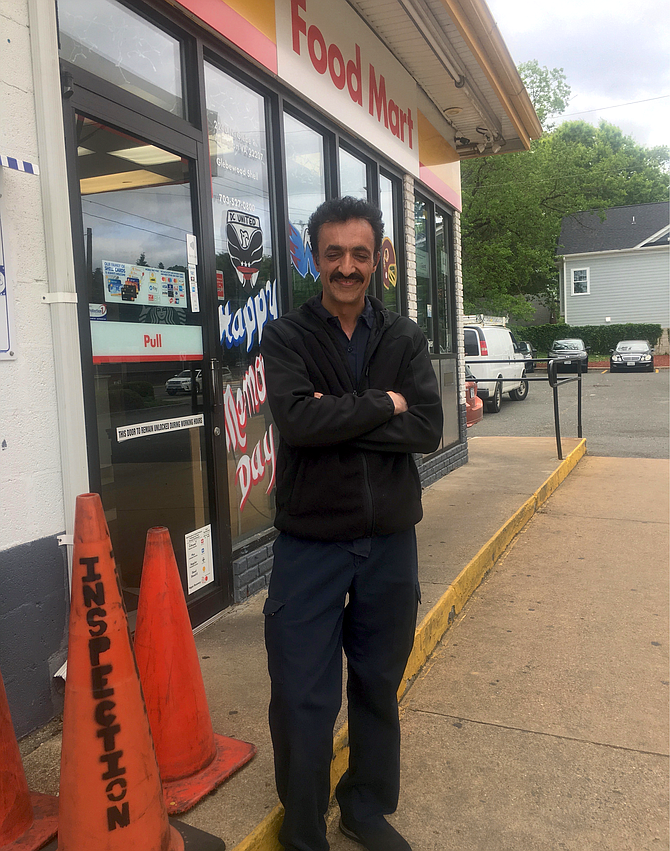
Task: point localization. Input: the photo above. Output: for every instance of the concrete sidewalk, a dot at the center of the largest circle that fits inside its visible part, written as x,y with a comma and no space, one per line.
453,764
541,721
462,512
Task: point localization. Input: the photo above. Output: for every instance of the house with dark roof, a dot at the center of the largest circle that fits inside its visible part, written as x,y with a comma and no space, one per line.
615,266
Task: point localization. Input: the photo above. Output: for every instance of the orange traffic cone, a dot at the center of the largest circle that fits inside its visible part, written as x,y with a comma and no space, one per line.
192,759
28,820
110,791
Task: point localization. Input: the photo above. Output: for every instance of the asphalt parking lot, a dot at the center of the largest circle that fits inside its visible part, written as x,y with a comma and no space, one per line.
623,416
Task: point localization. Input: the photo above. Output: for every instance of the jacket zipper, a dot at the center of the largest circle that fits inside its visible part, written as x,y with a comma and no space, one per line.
363,384
368,494
372,347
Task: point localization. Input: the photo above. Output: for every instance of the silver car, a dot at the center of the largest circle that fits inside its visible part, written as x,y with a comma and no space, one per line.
182,383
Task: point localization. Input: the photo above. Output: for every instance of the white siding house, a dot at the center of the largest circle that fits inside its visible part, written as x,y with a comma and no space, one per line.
616,270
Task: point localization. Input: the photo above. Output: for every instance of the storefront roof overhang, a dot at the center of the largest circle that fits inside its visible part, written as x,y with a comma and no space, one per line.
470,99
473,94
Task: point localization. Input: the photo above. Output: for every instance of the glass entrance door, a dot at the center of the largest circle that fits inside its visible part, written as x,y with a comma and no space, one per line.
247,295
149,367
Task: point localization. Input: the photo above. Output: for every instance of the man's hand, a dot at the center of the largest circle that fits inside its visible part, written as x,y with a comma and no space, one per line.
399,402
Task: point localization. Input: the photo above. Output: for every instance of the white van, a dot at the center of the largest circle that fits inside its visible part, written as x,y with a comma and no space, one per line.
487,338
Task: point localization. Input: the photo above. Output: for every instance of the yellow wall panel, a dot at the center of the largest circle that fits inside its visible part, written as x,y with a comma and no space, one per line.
260,13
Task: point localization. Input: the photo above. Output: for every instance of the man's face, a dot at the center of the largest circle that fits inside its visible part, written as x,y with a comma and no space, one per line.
346,261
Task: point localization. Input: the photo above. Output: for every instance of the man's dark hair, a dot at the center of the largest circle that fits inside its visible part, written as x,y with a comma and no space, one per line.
341,210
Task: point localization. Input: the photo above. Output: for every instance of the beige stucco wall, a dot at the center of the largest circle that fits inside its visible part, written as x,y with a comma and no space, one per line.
31,498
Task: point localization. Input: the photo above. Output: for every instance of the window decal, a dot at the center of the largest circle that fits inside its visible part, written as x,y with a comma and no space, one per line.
245,245
389,266
301,253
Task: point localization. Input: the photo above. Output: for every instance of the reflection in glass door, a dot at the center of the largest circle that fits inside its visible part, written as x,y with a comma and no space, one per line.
147,349
246,294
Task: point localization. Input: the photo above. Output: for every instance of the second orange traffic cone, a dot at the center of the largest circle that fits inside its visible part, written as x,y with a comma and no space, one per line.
110,791
28,820
192,759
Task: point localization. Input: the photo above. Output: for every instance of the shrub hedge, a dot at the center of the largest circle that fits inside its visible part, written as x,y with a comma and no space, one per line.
144,388
122,399
599,338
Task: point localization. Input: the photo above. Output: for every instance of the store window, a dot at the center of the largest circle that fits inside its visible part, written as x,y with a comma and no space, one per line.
388,202
123,48
306,189
424,290
246,292
353,175
445,322
435,299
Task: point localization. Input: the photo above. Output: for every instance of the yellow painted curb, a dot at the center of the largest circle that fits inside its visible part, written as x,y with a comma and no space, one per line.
264,836
430,631
440,617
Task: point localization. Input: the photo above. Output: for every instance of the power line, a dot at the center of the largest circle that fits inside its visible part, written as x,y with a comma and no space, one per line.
603,108
561,178
136,216
135,227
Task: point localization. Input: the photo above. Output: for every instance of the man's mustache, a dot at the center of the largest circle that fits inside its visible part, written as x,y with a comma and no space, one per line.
348,279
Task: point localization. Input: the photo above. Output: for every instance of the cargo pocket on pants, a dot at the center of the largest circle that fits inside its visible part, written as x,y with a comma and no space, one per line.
274,643
271,607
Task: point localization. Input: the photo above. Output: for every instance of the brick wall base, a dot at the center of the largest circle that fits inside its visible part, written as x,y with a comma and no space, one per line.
251,572
442,463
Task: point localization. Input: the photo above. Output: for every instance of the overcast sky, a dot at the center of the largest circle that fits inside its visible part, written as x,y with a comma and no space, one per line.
612,52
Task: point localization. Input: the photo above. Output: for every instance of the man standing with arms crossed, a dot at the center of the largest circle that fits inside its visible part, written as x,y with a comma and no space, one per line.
353,394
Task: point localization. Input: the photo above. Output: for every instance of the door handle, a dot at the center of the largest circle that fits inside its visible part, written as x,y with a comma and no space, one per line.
213,372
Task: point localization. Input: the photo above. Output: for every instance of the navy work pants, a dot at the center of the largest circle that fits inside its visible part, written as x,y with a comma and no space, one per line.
323,598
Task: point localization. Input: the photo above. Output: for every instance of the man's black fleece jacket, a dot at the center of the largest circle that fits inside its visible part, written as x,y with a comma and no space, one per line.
344,465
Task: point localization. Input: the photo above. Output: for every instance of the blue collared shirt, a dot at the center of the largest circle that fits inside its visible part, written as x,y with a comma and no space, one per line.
355,349
356,346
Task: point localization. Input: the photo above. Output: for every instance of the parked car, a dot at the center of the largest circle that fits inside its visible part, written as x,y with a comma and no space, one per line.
182,383
474,406
631,355
488,339
528,351
572,352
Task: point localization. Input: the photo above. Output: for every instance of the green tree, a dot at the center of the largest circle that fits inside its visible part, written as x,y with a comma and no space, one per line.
548,90
513,204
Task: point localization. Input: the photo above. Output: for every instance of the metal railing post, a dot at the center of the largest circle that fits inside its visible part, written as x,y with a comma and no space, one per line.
557,424
579,403
551,375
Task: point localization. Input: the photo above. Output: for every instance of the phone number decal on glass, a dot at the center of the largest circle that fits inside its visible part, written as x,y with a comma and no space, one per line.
235,202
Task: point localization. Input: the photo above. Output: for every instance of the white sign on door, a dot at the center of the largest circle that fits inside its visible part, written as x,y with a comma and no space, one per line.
199,561
119,342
